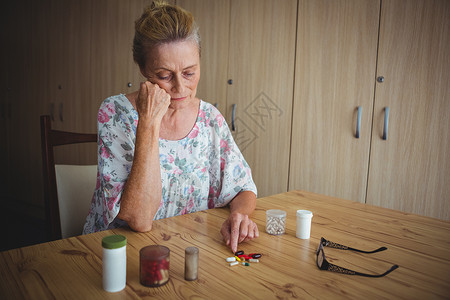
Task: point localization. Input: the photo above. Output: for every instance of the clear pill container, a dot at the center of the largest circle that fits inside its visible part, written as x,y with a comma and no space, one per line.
154,265
275,221
114,261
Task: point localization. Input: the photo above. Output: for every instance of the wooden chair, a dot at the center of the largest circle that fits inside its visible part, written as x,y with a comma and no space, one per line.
68,189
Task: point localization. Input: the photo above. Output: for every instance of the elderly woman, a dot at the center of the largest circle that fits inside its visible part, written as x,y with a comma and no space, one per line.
162,151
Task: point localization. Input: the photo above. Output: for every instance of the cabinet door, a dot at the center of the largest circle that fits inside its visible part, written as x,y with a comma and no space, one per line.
410,171
334,75
70,79
112,68
97,48
261,67
213,19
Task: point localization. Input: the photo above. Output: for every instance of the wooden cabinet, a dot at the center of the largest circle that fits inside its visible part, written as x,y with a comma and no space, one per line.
96,52
64,57
335,67
410,171
249,68
340,54
68,43
261,65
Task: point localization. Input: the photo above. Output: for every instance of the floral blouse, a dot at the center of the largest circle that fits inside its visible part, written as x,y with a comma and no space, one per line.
203,170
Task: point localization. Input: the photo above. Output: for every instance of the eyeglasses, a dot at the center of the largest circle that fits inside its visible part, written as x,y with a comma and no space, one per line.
323,264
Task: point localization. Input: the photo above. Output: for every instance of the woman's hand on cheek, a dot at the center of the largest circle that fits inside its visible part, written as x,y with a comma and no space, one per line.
237,229
152,102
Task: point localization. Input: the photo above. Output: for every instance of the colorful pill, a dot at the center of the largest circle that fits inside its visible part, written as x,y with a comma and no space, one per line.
231,259
254,260
244,257
240,252
233,263
255,255
237,258
245,264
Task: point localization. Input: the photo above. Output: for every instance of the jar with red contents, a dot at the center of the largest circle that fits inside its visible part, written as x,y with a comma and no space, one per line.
154,265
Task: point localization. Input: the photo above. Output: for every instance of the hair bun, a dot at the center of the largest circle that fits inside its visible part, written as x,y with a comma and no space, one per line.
162,23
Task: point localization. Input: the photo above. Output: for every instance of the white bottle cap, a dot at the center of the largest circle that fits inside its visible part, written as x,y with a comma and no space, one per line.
304,213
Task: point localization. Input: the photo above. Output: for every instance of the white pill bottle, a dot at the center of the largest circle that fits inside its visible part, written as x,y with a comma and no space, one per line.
114,263
303,224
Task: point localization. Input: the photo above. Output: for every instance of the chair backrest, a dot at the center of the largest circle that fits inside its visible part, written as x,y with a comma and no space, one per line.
75,185
55,210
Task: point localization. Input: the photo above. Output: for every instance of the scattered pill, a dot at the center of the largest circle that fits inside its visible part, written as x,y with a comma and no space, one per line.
244,257
245,260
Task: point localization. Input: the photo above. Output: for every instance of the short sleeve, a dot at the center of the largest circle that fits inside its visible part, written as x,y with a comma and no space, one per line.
235,174
116,141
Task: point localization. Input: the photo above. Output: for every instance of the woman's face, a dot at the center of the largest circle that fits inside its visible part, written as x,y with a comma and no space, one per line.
175,67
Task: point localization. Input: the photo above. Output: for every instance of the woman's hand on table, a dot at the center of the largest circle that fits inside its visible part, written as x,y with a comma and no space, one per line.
238,228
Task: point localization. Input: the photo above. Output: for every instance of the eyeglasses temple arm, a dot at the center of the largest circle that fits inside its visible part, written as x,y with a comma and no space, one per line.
378,275
331,244
335,268
362,251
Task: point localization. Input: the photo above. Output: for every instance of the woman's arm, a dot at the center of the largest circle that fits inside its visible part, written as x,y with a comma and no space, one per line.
142,192
238,227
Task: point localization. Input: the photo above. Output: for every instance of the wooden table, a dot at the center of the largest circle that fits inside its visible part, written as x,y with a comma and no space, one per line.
72,268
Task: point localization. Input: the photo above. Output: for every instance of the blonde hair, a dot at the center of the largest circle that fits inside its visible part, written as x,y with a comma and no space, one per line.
159,24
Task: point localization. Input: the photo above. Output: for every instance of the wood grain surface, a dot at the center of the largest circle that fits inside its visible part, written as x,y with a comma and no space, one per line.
72,268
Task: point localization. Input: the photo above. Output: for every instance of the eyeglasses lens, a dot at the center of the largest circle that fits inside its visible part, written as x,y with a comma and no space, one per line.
319,258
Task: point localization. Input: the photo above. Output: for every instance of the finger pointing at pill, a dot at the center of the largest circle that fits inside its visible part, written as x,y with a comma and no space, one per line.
238,228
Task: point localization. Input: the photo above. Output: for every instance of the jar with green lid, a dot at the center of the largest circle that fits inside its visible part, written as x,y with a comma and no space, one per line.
114,263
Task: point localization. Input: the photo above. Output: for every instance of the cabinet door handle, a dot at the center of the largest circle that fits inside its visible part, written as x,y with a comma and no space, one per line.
233,114
386,123
52,111
61,112
358,122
